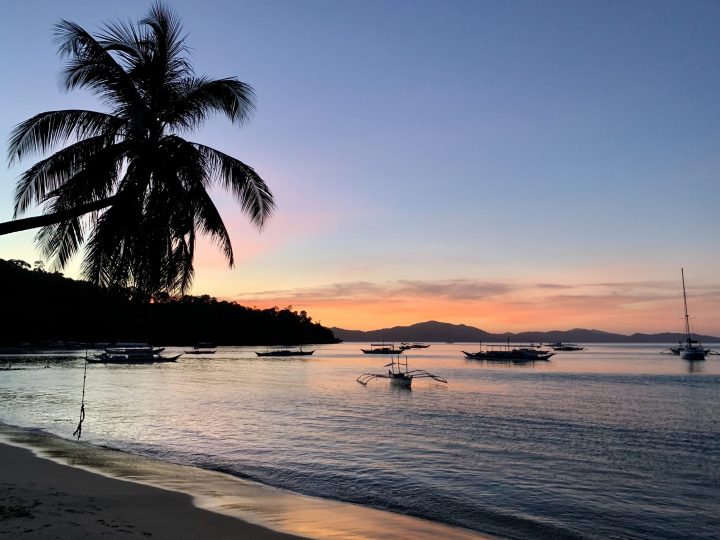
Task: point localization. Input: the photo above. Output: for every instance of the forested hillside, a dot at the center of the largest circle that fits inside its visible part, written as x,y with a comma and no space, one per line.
41,307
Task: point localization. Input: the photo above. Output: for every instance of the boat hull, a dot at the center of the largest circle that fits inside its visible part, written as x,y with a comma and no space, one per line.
401,381
693,353
508,356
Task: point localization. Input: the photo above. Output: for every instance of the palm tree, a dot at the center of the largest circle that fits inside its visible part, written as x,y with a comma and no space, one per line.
126,185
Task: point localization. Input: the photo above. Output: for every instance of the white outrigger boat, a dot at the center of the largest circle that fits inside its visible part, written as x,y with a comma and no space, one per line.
398,376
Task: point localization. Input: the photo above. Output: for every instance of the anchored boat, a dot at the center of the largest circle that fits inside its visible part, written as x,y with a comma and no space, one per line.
399,376
692,349
509,355
132,354
385,348
415,345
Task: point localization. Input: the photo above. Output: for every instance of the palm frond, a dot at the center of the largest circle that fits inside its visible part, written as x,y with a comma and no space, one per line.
92,66
199,97
61,241
242,181
90,155
108,253
167,36
43,132
124,39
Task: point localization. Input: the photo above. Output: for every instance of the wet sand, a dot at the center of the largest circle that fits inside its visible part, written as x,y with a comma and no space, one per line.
42,499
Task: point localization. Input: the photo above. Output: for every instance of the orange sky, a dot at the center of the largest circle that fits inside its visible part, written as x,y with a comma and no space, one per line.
619,307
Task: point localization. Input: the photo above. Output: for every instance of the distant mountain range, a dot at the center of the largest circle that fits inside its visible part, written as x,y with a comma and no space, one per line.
440,331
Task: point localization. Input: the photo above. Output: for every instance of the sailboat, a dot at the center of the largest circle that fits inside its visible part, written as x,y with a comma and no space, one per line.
692,349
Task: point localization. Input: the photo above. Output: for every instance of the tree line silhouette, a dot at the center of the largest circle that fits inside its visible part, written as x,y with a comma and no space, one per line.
42,307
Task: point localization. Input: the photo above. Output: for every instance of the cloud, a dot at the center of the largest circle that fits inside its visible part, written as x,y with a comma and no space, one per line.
454,289
552,286
497,306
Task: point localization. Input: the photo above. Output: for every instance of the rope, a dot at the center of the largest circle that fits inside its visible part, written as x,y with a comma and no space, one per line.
78,430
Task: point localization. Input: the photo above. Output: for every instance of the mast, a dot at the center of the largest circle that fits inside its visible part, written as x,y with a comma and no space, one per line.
687,318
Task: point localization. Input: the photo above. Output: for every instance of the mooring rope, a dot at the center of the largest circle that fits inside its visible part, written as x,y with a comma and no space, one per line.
78,430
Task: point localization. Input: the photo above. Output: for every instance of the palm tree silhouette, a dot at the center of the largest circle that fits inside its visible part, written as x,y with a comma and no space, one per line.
126,185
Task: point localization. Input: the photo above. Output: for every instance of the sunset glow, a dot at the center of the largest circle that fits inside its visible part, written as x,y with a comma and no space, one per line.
498,307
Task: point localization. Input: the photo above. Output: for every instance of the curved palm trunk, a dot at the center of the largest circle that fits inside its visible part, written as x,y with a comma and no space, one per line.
24,224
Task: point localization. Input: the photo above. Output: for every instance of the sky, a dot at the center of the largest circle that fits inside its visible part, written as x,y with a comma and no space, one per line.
514,165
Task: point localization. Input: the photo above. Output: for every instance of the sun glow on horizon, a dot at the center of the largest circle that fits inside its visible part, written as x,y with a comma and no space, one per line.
613,307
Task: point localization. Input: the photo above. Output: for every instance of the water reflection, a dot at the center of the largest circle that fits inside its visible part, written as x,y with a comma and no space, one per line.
695,366
506,363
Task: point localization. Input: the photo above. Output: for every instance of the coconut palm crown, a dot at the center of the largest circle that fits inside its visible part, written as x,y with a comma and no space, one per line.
124,184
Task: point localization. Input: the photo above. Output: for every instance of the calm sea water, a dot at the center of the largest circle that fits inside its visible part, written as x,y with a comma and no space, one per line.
611,442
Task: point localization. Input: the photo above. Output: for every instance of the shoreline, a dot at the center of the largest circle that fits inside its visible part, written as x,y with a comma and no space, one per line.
43,499
58,488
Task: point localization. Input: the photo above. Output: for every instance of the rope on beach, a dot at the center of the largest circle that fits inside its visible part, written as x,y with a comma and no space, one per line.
78,430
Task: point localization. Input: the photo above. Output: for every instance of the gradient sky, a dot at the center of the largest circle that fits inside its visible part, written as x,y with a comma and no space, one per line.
509,165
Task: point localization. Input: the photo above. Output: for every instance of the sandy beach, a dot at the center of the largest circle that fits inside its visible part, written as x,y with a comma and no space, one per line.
42,499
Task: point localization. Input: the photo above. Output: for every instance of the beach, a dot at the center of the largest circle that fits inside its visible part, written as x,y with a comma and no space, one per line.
46,500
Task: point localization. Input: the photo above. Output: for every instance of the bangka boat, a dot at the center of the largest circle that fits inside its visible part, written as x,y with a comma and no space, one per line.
509,355
399,377
132,355
384,348
285,352
676,350
415,345
692,349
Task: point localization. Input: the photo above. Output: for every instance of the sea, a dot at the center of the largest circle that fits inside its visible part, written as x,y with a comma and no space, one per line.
614,441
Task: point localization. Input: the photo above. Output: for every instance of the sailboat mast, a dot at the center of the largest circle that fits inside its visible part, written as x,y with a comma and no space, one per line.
687,318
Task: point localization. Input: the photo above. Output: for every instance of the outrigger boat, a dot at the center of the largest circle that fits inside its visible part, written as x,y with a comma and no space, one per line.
680,347
509,355
285,352
385,348
397,376
416,345
143,354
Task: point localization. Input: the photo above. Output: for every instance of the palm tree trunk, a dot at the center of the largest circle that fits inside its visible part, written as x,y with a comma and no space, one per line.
50,219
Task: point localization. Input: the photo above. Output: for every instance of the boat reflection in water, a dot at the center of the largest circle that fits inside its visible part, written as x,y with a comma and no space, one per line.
285,352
